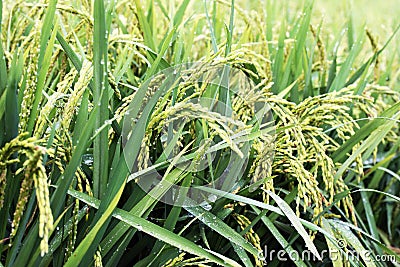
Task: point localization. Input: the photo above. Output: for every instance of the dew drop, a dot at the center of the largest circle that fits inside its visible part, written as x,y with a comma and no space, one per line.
207,207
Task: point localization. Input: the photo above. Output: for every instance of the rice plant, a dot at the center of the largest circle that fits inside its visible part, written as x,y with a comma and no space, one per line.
199,133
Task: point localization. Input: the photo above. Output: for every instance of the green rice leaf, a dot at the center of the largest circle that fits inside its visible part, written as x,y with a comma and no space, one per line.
158,232
353,241
83,247
296,223
220,227
280,238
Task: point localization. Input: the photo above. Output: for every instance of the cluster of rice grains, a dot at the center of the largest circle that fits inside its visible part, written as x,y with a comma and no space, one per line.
192,99
33,175
181,261
57,111
250,235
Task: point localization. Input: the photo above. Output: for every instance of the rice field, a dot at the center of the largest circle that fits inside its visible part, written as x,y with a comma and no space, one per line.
199,133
